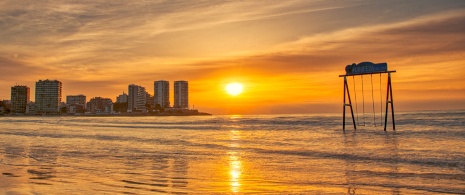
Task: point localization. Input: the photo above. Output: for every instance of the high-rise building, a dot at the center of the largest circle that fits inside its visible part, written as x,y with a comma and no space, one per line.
20,96
48,96
122,98
132,96
162,93
76,99
136,98
181,94
141,99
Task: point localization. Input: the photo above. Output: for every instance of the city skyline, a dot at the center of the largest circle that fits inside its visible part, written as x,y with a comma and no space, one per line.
270,47
22,92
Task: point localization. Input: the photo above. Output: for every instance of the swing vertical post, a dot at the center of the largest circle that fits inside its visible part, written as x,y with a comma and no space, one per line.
344,107
389,96
346,88
392,103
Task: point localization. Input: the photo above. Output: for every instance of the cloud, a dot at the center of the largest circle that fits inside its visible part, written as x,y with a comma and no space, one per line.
295,45
425,40
13,69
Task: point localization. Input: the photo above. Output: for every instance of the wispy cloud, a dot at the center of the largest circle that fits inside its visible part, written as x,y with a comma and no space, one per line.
120,42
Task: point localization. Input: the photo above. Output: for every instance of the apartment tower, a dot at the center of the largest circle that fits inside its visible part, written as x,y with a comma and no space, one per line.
141,99
136,98
48,96
162,93
19,98
181,94
133,91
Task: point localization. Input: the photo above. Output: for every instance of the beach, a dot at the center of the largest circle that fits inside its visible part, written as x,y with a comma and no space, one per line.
227,154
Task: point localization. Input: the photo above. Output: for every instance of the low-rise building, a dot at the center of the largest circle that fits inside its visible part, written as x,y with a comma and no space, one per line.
122,98
99,105
30,108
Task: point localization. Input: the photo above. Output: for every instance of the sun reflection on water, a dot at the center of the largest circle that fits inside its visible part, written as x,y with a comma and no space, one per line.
235,165
235,172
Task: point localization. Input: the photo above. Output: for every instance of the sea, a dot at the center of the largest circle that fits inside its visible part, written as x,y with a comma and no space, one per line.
233,154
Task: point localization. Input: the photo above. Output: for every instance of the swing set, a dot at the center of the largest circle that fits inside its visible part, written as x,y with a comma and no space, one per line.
361,69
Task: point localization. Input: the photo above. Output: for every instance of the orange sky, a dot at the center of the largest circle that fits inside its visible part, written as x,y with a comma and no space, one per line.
287,54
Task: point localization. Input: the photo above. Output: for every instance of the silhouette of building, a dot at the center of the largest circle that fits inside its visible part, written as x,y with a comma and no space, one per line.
99,105
122,98
48,96
162,93
181,94
20,96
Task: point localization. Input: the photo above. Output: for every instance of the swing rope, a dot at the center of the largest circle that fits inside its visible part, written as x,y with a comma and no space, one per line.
373,101
363,103
381,100
359,116
355,92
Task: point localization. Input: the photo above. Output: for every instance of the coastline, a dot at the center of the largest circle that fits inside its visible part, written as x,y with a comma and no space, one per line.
108,115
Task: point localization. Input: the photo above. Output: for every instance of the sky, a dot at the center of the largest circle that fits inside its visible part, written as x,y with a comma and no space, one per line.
287,54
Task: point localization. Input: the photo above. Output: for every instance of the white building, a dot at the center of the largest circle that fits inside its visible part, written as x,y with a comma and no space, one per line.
141,99
162,93
48,96
181,94
136,98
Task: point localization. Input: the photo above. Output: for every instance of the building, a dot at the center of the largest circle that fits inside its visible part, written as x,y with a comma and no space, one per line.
122,98
141,99
76,99
20,96
162,93
76,103
5,106
136,98
133,90
75,108
99,105
48,96
150,101
181,94
30,108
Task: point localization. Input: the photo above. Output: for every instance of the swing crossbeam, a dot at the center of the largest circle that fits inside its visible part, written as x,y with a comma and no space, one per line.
389,99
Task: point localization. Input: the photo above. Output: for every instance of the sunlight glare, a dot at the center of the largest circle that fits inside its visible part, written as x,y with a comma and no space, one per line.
234,88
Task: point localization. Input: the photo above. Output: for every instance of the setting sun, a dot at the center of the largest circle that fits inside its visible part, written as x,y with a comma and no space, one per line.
234,88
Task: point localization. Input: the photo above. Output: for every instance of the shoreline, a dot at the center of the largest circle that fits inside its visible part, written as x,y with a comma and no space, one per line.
108,115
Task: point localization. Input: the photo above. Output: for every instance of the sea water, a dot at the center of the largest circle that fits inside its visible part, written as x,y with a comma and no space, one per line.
265,154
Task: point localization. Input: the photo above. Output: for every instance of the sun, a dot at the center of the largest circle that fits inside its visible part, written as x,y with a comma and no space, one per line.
234,88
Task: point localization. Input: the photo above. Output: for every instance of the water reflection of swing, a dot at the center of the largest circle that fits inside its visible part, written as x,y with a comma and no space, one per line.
361,69
380,172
